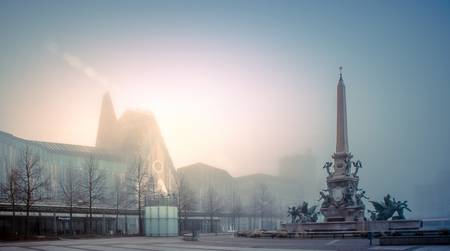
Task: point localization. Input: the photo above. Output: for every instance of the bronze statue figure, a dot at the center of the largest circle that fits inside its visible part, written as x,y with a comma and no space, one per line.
303,213
385,210
327,166
400,207
308,214
348,165
348,197
326,199
359,197
293,213
357,165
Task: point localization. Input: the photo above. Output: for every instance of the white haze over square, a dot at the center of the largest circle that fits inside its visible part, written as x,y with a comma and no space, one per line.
238,85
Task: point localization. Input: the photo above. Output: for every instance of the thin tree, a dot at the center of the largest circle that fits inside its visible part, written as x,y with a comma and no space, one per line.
93,185
32,181
212,205
185,199
10,188
253,208
263,200
118,197
138,182
71,188
236,209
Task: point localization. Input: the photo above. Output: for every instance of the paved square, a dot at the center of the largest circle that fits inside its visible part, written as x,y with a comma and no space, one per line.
205,243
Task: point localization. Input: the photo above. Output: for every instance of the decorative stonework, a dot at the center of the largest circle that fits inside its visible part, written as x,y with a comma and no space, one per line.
342,200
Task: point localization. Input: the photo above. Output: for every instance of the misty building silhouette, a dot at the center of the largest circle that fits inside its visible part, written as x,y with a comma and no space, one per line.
107,124
120,142
136,135
285,190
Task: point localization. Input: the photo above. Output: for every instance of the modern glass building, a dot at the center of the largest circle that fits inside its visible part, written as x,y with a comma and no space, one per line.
56,159
120,143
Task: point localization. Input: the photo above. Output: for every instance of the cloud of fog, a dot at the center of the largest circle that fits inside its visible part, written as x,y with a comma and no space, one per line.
76,63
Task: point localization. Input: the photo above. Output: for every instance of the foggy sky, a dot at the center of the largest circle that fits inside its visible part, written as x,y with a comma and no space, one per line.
238,84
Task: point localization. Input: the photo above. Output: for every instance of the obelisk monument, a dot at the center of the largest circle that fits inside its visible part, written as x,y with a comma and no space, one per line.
342,200
341,122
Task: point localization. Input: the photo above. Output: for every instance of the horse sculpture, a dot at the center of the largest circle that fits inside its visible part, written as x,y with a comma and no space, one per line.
385,210
303,213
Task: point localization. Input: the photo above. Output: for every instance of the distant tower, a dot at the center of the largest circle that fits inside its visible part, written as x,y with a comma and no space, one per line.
107,125
341,199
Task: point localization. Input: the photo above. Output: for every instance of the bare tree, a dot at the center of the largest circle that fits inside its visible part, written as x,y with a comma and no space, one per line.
118,197
236,209
212,205
32,181
138,183
70,187
185,199
93,185
263,202
252,209
11,189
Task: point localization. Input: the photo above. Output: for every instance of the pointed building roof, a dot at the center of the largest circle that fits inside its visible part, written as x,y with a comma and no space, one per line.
107,123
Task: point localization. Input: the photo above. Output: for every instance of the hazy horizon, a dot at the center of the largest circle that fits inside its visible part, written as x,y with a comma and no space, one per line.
239,84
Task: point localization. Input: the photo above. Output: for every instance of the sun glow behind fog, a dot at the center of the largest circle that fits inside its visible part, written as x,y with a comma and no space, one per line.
224,110
235,107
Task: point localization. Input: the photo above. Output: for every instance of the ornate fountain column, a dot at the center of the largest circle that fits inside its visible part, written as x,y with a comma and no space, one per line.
341,199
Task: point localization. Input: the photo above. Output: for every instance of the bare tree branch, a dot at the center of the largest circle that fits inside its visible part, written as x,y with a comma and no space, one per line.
138,184
93,185
212,205
33,183
11,189
263,202
185,198
236,209
71,189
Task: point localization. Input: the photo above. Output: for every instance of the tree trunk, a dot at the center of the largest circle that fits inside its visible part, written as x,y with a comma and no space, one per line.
55,225
233,222
140,215
86,225
126,223
90,217
180,223
117,219
104,231
185,221
26,222
211,223
13,225
71,220
262,218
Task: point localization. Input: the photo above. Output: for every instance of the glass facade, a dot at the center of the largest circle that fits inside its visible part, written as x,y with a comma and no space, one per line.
161,220
55,161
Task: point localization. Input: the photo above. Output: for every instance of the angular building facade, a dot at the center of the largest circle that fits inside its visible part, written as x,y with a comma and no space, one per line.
136,134
119,143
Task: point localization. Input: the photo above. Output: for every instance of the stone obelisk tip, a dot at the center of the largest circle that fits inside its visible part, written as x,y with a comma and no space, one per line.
341,122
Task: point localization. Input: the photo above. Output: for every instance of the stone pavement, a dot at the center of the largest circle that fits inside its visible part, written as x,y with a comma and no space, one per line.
206,243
